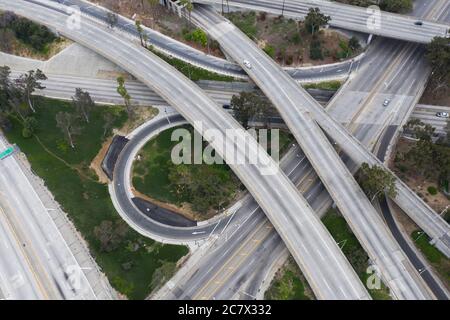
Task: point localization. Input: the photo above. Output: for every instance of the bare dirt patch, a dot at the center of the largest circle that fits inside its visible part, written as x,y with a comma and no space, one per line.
96,164
142,114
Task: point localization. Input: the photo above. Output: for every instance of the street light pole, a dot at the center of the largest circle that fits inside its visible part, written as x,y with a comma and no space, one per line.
282,9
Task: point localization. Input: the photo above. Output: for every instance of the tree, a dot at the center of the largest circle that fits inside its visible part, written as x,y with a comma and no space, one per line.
109,119
203,185
83,103
315,50
247,105
375,181
67,122
6,40
122,90
140,31
354,44
28,83
7,19
419,129
422,156
396,5
110,235
438,55
112,19
5,87
155,9
33,34
315,19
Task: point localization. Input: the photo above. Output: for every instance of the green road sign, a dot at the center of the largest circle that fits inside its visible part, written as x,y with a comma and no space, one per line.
6,153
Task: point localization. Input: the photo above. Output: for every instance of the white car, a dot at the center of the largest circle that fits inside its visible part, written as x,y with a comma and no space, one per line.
386,102
442,115
247,64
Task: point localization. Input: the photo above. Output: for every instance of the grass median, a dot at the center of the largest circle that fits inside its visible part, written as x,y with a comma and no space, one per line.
133,264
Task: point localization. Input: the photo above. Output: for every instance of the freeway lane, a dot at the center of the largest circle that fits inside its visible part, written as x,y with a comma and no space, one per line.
329,273
47,261
427,114
382,54
289,99
105,91
349,17
414,207
17,277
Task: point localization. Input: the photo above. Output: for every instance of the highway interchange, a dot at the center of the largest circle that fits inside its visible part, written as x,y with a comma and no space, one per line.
265,228
330,279
349,17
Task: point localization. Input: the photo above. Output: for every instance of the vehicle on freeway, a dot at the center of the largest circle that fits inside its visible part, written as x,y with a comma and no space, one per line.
442,115
418,23
6,153
386,102
227,106
247,64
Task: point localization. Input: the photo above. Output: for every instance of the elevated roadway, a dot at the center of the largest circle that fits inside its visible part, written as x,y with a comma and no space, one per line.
378,61
319,257
36,261
417,209
290,100
349,17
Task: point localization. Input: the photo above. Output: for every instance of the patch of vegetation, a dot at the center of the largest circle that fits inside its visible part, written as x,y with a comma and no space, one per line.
428,159
440,262
289,284
245,21
270,50
291,42
438,55
31,34
315,50
205,187
333,85
432,190
352,249
198,36
376,181
129,260
190,71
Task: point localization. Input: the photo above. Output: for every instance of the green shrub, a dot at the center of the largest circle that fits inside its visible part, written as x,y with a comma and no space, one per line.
432,190
296,38
197,36
315,51
270,50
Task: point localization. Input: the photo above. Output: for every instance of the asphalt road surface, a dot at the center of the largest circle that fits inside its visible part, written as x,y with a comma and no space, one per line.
275,193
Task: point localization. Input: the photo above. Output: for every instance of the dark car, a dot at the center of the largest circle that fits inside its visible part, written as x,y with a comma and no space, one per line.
418,23
227,106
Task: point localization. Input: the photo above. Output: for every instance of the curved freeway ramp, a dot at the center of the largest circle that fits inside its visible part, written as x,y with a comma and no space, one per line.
390,25
323,264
